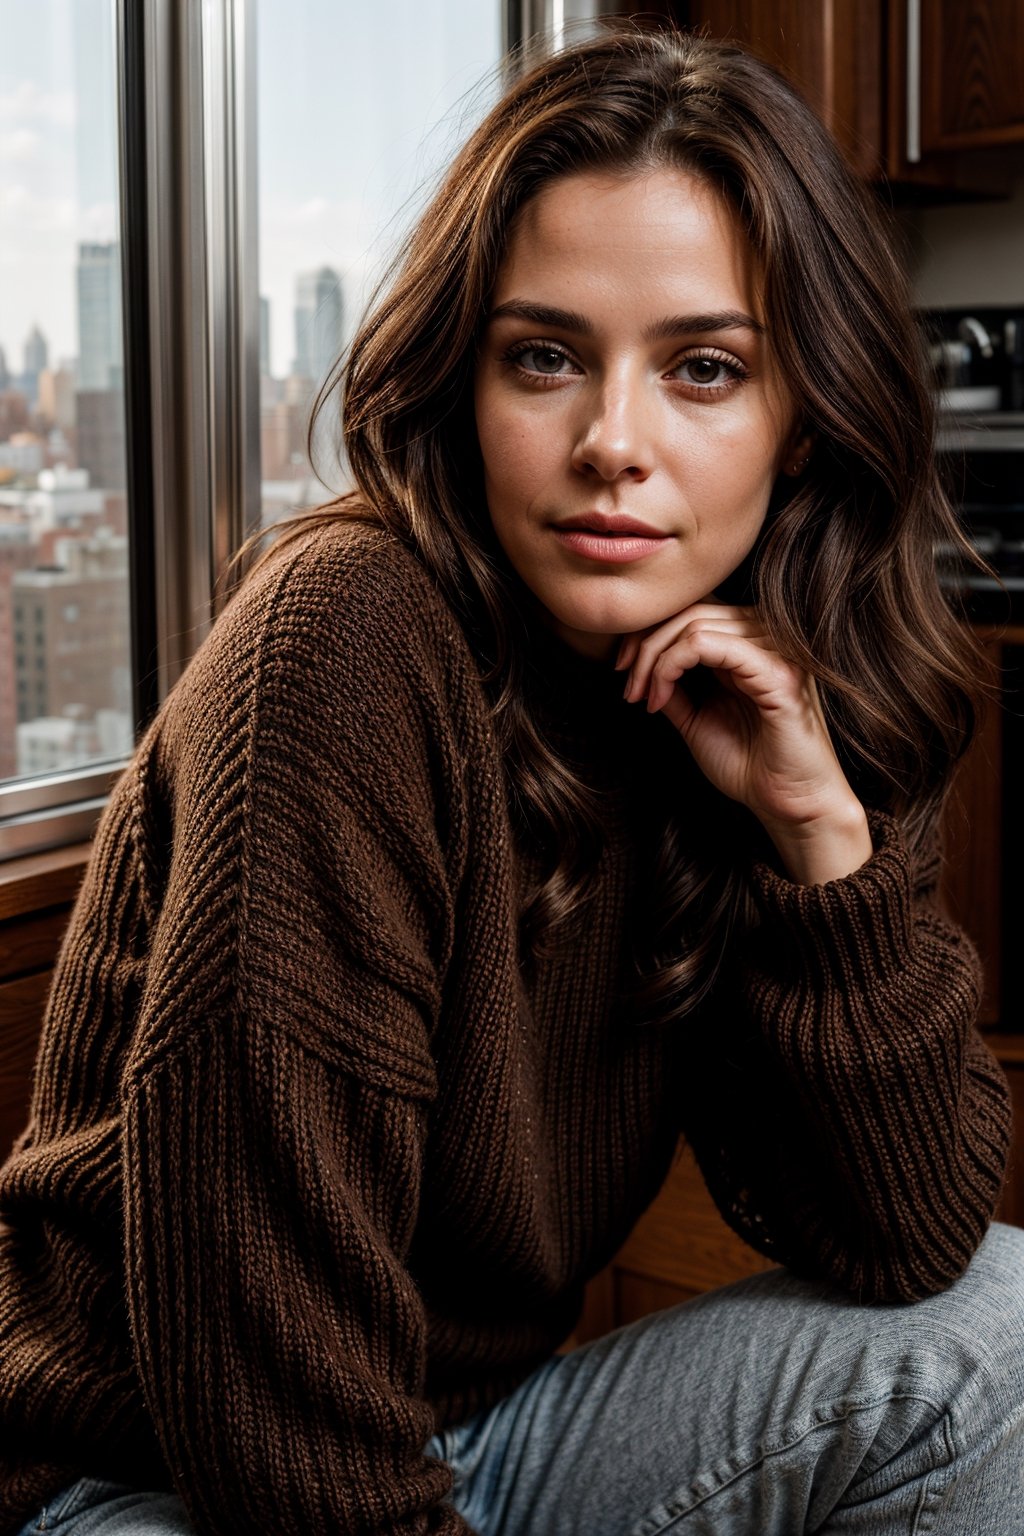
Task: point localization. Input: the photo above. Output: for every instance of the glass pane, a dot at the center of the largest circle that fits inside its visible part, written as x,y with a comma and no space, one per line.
65,675
359,108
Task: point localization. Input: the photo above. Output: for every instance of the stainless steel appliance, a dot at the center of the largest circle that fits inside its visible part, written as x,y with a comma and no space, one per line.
982,463
978,361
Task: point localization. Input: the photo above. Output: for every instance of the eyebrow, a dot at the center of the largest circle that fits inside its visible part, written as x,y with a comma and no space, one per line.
671,325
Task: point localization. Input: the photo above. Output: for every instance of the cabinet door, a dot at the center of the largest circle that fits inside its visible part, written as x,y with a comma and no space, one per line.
972,73
955,96
831,50
910,89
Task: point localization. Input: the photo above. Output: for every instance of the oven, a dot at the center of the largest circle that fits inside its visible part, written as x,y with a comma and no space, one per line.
977,358
981,460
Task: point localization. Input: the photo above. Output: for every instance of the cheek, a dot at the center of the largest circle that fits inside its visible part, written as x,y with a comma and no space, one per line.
492,436
736,480
514,458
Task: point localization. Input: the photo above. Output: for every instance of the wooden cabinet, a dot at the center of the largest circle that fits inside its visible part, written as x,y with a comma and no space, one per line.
924,97
972,73
831,52
955,101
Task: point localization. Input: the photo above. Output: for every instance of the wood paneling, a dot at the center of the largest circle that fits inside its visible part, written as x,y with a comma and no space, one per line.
682,1241
35,903
21,1012
637,1295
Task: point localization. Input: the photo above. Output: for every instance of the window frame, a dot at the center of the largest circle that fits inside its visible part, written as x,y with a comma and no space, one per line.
185,79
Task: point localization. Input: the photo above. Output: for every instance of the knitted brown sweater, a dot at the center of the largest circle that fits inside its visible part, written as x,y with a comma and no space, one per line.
312,1169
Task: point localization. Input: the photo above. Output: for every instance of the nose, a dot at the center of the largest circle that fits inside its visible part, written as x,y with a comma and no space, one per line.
614,438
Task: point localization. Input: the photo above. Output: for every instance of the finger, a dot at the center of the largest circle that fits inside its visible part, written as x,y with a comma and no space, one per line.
649,655
750,666
653,646
628,648
631,644
680,710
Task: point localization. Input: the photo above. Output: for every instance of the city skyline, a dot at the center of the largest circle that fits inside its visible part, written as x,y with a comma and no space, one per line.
337,183
317,207
317,314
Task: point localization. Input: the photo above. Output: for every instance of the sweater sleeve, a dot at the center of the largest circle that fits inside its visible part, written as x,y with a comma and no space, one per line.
848,1118
276,1105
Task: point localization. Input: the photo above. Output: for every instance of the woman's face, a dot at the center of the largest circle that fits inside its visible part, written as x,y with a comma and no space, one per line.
624,373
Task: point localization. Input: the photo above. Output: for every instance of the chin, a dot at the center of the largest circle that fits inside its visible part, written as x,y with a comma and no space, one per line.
622,618
605,627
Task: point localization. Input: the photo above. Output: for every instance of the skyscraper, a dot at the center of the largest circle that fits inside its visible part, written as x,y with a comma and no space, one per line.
37,356
101,364
99,401
70,624
318,316
57,397
16,554
264,337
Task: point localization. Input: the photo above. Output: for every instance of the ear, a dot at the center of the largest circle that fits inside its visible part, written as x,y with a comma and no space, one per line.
798,450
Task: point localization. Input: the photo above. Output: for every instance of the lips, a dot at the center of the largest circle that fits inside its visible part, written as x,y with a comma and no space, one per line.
610,538
611,524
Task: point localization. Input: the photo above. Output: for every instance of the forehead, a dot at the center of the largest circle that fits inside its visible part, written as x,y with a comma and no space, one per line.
665,233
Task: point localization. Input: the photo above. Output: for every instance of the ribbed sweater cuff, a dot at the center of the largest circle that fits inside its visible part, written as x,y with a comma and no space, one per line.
855,928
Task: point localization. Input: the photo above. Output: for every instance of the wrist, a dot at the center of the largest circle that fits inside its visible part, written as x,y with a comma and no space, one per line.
826,847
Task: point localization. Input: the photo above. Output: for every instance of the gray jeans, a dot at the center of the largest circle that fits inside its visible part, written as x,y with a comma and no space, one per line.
769,1408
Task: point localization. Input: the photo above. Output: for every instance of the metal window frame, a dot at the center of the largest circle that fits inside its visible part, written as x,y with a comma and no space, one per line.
532,28
186,88
199,62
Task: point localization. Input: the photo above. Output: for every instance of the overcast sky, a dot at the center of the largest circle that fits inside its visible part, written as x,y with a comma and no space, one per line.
359,104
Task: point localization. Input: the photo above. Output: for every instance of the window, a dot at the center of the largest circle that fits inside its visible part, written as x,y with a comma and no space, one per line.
63,504
386,95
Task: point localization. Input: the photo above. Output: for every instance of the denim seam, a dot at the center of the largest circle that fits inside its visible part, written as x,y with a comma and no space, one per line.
938,1495
68,1502
667,1514
58,1508
933,1493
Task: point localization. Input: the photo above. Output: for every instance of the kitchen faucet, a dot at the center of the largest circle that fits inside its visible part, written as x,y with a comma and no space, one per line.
971,329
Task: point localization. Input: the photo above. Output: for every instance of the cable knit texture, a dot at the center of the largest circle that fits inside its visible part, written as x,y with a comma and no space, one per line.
313,1170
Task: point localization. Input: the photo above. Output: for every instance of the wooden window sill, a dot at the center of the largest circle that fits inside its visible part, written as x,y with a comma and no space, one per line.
41,880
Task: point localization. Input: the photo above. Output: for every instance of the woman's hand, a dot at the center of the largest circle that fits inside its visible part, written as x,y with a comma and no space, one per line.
759,735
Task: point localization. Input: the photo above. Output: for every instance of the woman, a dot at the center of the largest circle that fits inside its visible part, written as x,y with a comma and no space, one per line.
410,946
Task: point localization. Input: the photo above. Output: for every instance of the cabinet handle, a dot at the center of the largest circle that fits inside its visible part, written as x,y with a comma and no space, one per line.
913,81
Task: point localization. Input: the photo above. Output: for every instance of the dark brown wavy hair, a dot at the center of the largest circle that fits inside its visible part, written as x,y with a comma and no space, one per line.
844,573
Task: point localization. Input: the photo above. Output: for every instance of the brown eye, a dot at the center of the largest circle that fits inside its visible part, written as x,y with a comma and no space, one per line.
542,360
704,370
